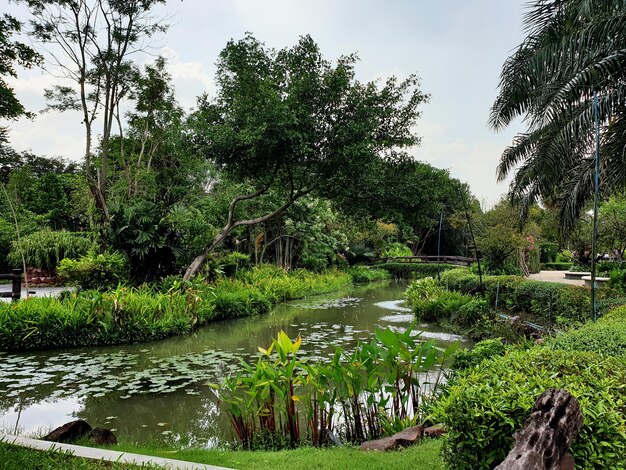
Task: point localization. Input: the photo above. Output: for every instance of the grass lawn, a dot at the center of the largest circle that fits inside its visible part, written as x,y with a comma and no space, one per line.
20,458
424,455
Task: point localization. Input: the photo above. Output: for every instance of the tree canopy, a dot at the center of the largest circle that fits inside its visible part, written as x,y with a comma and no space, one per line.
291,122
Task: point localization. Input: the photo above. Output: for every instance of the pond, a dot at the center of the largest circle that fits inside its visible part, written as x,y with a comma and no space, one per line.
157,391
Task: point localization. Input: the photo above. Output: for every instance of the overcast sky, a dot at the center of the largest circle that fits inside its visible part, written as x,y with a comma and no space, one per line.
457,48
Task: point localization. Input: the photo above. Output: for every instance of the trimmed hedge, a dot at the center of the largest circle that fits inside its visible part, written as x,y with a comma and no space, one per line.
549,300
556,266
606,337
483,406
415,270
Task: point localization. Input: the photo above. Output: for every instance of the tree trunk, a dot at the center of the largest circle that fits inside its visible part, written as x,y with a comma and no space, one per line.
550,429
231,224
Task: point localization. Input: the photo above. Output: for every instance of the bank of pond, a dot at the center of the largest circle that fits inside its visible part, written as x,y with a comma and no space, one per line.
344,367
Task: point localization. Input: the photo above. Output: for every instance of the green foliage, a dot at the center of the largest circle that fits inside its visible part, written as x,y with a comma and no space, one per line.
432,302
13,53
549,252
483,406
414,270
472,312
46,248
127,315
101,271
385,380
550,301
556,266
471,357
393,250
606,337
362,274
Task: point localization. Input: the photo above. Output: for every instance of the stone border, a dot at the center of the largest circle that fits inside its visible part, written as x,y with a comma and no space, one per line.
106,455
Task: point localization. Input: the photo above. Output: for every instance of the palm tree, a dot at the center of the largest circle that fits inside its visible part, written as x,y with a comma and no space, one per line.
574,49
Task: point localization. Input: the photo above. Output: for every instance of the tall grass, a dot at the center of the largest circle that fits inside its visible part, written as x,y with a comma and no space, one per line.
127,314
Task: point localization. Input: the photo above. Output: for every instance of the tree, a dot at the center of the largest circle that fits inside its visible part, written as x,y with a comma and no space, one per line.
12,53
290,123
91,44
574,50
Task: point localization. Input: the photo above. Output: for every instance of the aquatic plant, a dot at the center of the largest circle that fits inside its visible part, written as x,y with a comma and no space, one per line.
355,396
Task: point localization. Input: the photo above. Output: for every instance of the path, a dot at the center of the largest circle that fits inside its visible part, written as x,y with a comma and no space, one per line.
106,455
555,276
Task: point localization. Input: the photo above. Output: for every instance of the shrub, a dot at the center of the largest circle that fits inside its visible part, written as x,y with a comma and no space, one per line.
550,300
95,271
465,358
472,312
606,337
483,406
46,248
394,250
432,302
549,252
415,270
556,266
362,274
232,262
233,300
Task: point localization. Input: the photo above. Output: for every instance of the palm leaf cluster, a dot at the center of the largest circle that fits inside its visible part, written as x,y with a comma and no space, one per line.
574,49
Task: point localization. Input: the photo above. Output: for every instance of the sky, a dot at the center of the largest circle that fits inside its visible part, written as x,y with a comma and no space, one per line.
456,47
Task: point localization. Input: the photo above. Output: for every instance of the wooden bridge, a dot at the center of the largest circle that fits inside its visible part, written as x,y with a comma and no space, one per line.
456,260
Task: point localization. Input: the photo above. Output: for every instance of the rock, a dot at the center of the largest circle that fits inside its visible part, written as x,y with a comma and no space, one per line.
539,341
405,438
548,432
69,432
103,437
435,431
567,462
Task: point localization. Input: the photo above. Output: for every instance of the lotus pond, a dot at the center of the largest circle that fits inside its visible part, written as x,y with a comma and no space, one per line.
158,391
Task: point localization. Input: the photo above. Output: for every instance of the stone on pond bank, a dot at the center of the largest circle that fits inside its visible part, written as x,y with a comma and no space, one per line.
405,438
80,429
69,432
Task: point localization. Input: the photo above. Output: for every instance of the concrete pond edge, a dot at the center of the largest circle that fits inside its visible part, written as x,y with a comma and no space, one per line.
104,454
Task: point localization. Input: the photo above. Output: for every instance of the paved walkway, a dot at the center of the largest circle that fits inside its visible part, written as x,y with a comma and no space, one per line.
555,276
107,455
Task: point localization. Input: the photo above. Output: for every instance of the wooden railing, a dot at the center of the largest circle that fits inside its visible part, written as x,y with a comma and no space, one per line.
16,285
456,260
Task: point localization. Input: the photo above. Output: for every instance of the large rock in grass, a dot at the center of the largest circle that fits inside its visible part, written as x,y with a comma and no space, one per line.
405,438
69,432
547,434
102,437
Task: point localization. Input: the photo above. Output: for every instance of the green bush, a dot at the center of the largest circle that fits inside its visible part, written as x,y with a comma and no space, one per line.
95,271
472,312
415,270
363,274
556,266
395,250
483,406
466,358
233,301
549,252
549,300
606,337
46,248
432,302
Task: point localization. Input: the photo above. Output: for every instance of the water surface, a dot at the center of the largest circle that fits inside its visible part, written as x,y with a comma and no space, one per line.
157,391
